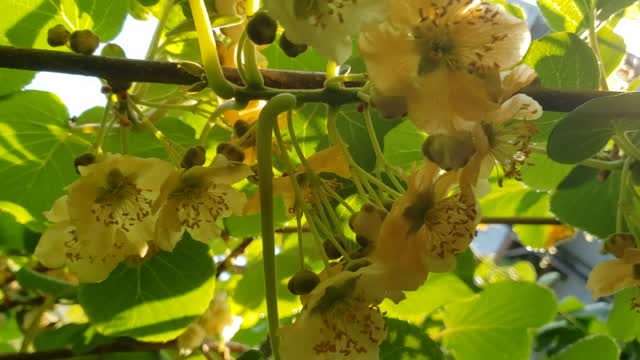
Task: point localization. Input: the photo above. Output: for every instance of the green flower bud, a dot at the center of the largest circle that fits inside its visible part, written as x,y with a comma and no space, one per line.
231,152
289,48
113,50
84,160
303,282
195,156
240,128
362,241
84,42
330,249
261,29
58,35
358,264
450,152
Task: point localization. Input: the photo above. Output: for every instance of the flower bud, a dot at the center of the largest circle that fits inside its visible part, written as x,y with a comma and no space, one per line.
391,107
58,35
261,29
240,128
330,249
113,50
617,243
450,152
231,152
289,48
84,42
358,264
303,282
195,156
84,160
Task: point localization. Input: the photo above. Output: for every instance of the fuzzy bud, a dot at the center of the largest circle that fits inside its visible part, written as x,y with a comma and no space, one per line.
261,29
289,48
84,42
391,107
231,152
195,156
84,160
58,35
303,282
617,243
450,152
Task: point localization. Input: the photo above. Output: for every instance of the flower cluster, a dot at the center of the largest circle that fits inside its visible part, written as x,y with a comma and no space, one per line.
452,67
124,207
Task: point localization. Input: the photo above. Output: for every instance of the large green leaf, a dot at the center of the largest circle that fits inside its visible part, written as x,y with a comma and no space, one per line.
542,173
37,149
565,15
599,347
513,199
563,60
495,323
14,80
586,130
612,49
156,300
624,321
405,341
607,8
403,145
438,290
585,201
25,23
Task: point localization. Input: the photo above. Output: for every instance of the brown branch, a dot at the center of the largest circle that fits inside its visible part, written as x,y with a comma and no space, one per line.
123,346
237,251
171,73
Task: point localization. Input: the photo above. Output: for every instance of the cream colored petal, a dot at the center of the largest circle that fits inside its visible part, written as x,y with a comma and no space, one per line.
610,277
520,107
516,79
206,232
150,173
430,107
489,36
391,73
236,200
222,171
168,229
168,186
93,270
51,246
59,210
472,96
631,256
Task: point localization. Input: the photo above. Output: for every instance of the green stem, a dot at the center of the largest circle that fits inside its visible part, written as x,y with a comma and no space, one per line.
102,131
300,244
266,123
252,72
34,328
380,159
124,139
626,145
225,106
622,196
173,150
593,43
239,63
210,59
592,163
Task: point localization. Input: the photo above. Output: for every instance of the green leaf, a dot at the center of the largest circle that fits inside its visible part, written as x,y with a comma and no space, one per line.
612,49
599,347
25,23
405,341
513,199
565,15
14,80
624,321
32,280
495,323
249,225
587,129
562,60
438,290
403,145
542,173
607,8
252,355
156,300
37,149
596,200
